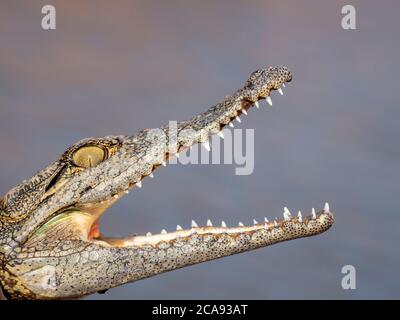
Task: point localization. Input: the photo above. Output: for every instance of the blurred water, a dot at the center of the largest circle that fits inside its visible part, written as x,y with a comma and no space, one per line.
116,67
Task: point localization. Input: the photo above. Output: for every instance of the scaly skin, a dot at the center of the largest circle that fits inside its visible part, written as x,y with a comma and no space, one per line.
50,246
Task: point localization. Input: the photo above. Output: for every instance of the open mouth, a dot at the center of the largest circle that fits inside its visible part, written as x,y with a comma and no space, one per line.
82,218
299,220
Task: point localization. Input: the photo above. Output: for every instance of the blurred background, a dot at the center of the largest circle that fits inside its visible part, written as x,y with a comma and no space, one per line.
114,67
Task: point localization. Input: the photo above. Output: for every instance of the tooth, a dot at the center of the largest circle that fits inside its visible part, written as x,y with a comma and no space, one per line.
244,111
163,231
194,224
221,134
240,224
275,223
238,119
115,196
177,155
255,221
280,91
286,214
163,163
139,184
300,217
283,85
314,215
206,145
178,227
148,234
266,220
209,223
223,224
231,124
269,100
326,207
151,175
126,191
257,105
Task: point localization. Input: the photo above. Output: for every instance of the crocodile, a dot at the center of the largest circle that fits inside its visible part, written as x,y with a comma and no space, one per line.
51,246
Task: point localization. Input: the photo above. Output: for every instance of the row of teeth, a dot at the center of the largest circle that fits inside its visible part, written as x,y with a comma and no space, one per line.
268,99
287,216
206,144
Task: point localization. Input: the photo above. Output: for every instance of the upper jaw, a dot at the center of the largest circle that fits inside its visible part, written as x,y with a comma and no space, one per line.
140,155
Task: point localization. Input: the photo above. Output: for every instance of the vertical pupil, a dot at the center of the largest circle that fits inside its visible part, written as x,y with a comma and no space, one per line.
88,156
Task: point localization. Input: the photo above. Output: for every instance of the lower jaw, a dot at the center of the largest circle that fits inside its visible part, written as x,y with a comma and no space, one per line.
275,226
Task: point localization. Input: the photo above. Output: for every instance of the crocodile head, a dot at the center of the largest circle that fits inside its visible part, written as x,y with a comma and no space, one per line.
50,243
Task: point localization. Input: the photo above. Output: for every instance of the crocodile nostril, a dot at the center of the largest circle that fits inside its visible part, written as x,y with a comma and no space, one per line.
87,189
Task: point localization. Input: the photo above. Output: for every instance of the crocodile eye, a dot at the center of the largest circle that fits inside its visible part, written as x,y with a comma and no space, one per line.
89,156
